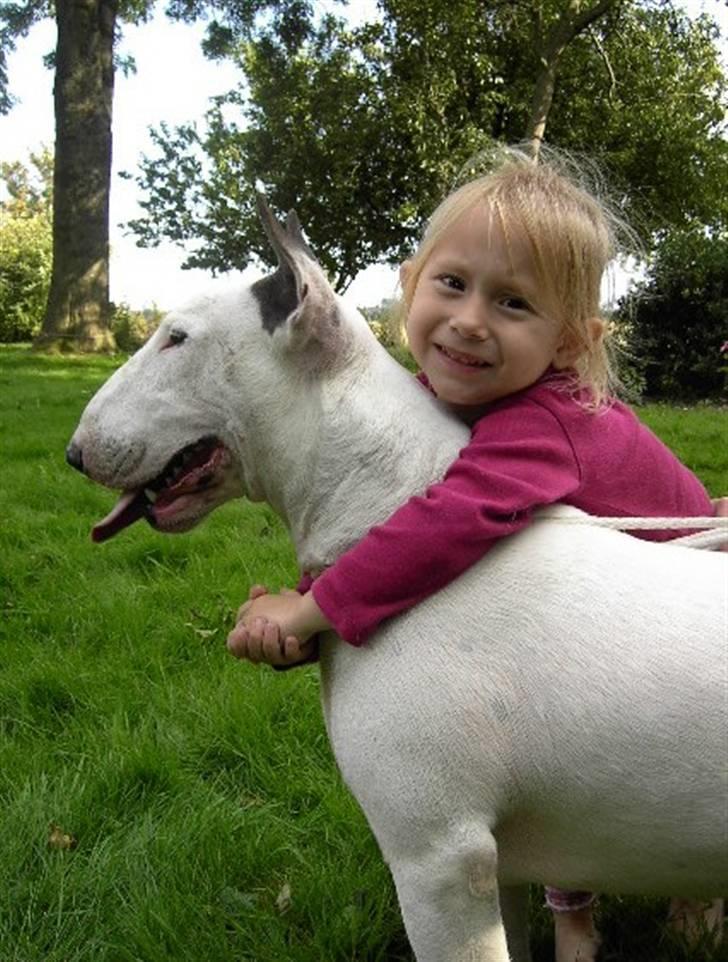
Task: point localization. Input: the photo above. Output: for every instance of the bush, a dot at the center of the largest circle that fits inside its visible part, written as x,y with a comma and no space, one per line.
384,322
132,328
676,321
25,274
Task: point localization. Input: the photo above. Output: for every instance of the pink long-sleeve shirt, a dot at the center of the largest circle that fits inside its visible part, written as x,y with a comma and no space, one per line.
530,449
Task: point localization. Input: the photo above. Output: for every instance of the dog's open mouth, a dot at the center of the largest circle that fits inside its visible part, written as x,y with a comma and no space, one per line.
192,471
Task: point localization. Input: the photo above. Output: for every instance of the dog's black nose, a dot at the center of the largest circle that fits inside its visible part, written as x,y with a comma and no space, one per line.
74,456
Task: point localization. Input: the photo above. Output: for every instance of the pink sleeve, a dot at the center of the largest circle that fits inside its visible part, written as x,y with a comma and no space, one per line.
516,460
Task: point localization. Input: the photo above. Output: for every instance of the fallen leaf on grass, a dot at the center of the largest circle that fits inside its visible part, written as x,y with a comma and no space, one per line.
283,902
60,840
202,632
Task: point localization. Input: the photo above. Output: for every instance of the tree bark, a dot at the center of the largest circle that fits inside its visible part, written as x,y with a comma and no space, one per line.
78,310
573,21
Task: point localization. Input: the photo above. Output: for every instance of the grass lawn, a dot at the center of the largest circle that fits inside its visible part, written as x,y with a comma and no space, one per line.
161,801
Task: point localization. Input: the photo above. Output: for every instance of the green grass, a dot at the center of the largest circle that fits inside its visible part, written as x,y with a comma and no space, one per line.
698,435
210,822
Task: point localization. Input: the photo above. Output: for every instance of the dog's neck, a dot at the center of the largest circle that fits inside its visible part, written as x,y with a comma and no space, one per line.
350,450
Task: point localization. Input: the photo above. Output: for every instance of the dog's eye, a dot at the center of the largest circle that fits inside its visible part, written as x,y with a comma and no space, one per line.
174,338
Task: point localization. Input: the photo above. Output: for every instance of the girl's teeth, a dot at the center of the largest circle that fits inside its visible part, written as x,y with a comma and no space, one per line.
463,358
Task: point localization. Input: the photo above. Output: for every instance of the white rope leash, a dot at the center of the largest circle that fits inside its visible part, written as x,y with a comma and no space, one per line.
714,535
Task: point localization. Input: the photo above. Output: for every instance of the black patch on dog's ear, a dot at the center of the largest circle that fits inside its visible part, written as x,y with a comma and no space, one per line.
278,298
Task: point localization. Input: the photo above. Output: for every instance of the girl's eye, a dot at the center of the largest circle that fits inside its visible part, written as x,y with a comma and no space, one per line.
174,338
452,281
514,303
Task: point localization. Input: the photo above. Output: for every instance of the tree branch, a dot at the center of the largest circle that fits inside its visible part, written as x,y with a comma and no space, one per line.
585,19
605,58
569,26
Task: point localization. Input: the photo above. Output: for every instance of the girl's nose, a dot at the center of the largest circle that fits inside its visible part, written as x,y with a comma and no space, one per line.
470,322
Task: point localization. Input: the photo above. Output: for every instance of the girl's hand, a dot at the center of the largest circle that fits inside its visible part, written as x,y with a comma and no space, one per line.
275,629
255,592
261,642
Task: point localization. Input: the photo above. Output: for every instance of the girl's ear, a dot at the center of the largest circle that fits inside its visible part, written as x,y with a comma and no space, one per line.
570,349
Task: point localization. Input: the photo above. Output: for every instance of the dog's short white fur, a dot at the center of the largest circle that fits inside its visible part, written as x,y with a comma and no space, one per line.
557,715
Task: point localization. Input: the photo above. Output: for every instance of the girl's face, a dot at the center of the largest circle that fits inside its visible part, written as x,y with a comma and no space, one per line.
476,324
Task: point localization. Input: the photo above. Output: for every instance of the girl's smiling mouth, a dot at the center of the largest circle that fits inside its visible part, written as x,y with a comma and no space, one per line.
463,360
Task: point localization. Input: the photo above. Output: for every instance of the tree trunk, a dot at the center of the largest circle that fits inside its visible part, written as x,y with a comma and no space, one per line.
78,311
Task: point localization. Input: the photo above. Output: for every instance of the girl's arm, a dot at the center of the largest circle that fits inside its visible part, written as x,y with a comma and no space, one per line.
517,459
293,617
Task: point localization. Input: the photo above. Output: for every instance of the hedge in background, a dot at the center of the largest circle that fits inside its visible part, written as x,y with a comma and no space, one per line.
132,329
677,318
25,270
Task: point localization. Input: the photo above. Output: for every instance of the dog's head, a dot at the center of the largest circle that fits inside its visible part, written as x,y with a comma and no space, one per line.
170,428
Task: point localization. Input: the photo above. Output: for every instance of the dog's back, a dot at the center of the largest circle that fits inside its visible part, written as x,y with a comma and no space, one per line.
581,718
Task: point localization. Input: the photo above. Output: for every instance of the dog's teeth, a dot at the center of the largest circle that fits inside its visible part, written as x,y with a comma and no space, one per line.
181,462
151,494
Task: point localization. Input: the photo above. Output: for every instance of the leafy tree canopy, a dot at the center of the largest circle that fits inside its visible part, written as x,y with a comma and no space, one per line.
364,128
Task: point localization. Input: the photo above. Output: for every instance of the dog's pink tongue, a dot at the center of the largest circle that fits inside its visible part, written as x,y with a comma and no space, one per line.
131,506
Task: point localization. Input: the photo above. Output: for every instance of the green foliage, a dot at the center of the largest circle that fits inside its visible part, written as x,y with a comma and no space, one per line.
131,329
385,322
25,270
313,116
29,187
204,813
363,129
668,152
677,318
25,245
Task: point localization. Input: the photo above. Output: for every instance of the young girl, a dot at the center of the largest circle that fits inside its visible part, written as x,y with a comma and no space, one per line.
502,317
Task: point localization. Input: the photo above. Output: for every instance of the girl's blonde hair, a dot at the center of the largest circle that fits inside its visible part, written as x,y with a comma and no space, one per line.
572,234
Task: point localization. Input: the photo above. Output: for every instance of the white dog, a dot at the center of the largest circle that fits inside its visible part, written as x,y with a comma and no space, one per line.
557,715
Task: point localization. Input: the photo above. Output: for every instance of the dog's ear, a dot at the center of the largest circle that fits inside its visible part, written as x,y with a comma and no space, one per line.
297,301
